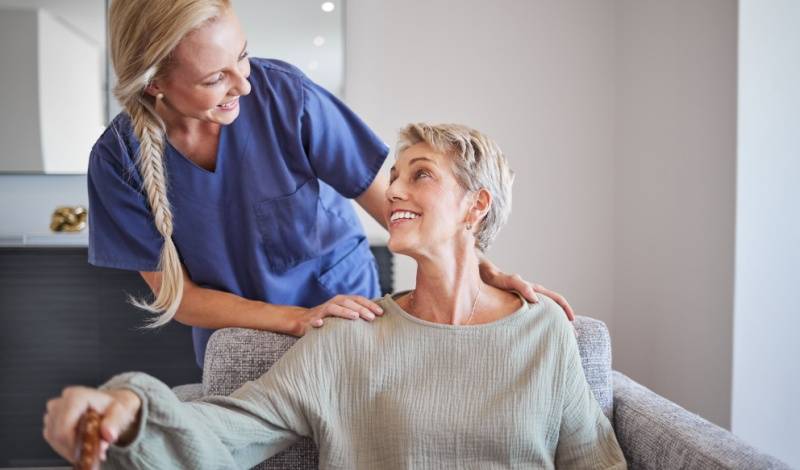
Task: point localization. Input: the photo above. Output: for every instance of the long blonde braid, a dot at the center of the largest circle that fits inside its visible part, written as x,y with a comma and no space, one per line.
143,34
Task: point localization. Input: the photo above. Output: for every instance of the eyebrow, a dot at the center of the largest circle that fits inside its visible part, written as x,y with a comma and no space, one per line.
208,75
414,160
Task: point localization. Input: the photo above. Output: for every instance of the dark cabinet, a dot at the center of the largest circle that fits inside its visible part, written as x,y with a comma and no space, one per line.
64,322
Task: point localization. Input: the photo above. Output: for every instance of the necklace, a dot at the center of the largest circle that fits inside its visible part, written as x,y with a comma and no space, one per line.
474,303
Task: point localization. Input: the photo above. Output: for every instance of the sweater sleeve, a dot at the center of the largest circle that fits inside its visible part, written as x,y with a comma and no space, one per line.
255,422
586,438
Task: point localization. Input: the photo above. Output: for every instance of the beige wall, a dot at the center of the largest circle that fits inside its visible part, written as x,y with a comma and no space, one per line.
675,200
620,120
538,77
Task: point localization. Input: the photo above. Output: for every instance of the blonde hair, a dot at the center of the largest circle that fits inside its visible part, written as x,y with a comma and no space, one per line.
478,163
143,34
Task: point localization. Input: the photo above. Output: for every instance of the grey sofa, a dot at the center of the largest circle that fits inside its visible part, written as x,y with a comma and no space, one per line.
653,432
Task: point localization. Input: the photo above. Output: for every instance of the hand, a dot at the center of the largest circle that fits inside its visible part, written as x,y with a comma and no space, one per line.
351,307
492,276
119,410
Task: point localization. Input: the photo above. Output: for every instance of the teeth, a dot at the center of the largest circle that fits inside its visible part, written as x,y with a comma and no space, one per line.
403,215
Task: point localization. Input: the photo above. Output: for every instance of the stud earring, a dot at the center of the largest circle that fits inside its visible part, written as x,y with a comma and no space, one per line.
469,227
160,96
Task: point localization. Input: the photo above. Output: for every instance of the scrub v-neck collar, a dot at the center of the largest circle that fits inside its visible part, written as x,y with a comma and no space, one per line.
217,158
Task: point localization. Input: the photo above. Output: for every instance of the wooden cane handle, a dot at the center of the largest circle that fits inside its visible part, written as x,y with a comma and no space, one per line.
89,441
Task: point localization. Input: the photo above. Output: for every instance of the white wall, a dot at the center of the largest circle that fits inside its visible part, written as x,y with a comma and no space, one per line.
27,201
70,121
766,374
675,200
537,76
19,131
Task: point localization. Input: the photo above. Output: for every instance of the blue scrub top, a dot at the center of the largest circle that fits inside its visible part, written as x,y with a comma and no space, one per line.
272,221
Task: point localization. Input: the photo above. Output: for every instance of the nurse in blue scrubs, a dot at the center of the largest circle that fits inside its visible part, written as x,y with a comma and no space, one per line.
226,181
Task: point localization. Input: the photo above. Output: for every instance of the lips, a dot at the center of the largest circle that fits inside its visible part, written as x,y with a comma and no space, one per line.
400,216
229,105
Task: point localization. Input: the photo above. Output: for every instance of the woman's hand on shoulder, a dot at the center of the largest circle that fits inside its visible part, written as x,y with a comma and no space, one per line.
351,307
494,277
119,410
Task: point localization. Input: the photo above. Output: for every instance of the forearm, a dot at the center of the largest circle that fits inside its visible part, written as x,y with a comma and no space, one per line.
214,309
217,432
373,200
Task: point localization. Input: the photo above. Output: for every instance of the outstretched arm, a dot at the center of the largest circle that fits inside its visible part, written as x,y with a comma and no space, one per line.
144,425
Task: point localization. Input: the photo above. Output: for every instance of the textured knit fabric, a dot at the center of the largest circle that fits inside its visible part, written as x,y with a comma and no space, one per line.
658,434
398,392
238,355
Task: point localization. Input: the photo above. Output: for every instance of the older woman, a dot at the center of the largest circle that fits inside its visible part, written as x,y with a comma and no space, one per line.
455,373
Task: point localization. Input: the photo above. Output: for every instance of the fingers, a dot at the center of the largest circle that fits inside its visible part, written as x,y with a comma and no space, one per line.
363,311
352,307
365,302
557,298
62,416
515,282
116,419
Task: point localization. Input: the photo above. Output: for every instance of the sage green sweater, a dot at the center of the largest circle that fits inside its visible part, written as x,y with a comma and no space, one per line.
395,393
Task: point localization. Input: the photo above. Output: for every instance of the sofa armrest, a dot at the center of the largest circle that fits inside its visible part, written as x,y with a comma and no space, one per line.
237,355
655,433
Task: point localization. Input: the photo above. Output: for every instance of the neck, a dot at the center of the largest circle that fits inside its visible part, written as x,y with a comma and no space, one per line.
447,288
178,124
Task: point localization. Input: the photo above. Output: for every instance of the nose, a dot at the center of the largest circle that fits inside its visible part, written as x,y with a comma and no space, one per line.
396,191
241,86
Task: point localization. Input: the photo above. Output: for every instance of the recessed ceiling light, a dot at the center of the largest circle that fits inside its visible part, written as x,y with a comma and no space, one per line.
319,41
328,7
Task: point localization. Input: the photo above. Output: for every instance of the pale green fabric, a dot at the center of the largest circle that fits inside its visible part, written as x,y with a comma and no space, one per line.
395,393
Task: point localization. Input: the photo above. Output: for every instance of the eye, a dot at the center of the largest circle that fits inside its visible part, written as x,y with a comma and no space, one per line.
421,174
244,55
219,78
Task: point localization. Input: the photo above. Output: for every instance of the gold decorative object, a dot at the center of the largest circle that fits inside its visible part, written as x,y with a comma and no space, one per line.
69,219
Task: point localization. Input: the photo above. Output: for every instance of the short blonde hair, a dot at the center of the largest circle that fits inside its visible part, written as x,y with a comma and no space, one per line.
478,163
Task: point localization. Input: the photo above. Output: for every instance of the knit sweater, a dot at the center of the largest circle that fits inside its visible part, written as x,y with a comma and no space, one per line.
395,393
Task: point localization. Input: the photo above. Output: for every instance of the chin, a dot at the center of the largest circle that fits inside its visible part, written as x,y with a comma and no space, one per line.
226,118
398,247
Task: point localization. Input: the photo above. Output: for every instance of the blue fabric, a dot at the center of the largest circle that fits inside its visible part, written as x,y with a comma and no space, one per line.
272,221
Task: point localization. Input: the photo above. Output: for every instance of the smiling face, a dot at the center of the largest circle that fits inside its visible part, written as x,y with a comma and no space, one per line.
428,209
207,72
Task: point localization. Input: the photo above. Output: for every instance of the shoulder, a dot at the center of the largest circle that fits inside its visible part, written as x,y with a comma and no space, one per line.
115,148
275,70
117,140
341,331
550,321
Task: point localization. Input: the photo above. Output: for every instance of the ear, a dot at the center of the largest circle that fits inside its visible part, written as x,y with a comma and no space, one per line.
153,88
480,206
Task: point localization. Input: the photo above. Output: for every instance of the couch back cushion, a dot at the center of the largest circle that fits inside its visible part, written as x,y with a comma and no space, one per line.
236,355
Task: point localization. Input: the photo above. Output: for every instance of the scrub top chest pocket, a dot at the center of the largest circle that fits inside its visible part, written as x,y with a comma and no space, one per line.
297,227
